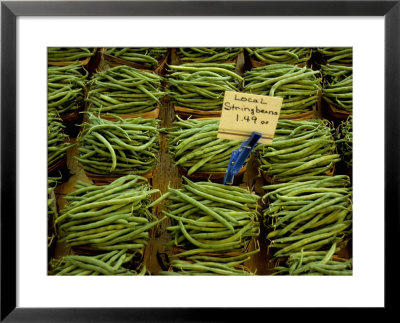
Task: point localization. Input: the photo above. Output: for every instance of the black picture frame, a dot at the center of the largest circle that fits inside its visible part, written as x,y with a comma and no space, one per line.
10,10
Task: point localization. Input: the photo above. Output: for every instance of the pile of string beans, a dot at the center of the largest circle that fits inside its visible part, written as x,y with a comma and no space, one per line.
108,217
201,86
52,210
66,87
206,268
68,54
194,146
335,73
315,263
299,148
298,86
344,141
149,57
57,144
308,213
125,146
124,90
208,54
340,93
115,263
207,217
280,55
337,55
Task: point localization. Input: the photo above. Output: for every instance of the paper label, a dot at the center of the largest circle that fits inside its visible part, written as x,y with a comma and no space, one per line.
243,113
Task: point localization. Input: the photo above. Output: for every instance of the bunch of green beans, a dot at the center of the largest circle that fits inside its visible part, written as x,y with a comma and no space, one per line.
194,146
335,73
197,267
315,263
299,148
280,55
109,217
298,86
308,213
207,217
210,264
340,93
66,86
207,54
149,57
124,90
57,144
115,263
52,212
125,146
344,140
337,55
68,54
51,207
202,86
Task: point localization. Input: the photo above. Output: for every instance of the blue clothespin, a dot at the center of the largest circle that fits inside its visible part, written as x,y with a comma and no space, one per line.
239,157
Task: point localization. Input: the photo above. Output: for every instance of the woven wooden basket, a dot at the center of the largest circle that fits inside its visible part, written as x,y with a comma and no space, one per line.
338,113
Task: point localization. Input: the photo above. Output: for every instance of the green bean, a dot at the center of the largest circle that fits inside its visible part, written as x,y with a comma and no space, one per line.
104,217
203,208
274,80
320,208
198,223
110,87
70,83
129,246
109,263
337,55
210,54
340,93
144,56
194,146
307,147
125,146
200,267
281,55
201,85
57,140
307,235
344,140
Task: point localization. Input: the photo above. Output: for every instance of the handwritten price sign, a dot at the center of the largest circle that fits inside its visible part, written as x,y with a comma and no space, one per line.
243,113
